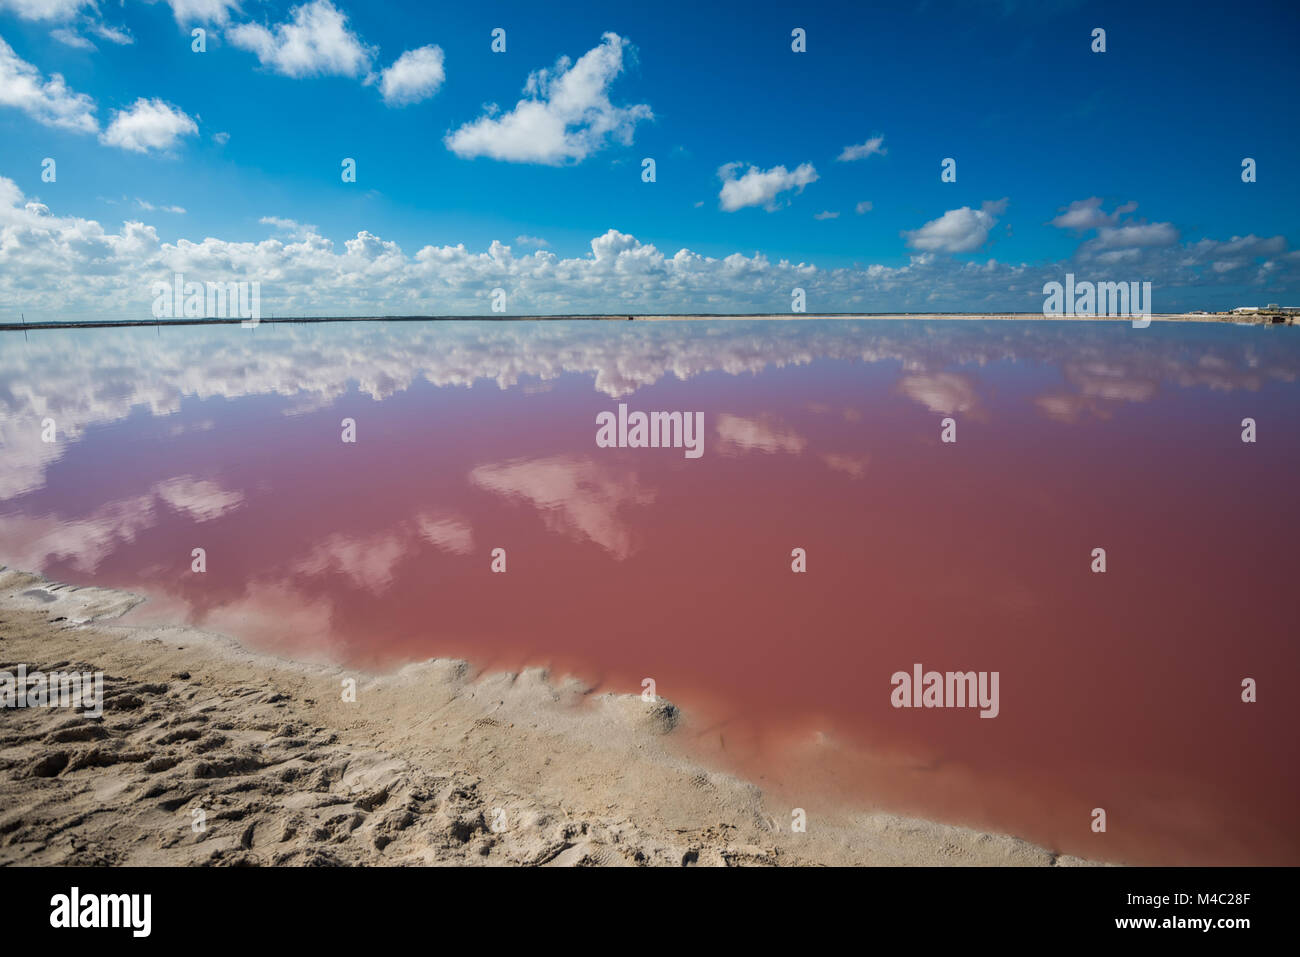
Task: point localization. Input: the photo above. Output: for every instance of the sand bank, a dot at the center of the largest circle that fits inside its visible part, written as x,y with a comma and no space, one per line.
209,754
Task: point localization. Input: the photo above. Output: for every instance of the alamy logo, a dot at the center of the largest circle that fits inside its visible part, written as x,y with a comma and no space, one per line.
103,910
651,430
1097,299
58,689
951,689
207,300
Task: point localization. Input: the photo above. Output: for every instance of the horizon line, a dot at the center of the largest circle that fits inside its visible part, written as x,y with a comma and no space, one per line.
1254,318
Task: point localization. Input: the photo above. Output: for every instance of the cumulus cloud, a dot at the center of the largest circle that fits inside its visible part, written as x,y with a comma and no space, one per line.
1086,214
49,102
1132,244
863,207
314,41
1144,234
148,125
826,214
872,147
44,9
958,230
416,75
565,117
59,266
188,12
759,187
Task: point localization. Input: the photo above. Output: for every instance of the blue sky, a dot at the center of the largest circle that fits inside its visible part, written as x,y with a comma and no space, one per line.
255,128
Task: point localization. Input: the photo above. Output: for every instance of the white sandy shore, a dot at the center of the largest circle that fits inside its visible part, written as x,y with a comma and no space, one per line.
430,765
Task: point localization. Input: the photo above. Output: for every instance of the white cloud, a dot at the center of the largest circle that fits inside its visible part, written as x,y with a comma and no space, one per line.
58,266
531,241
1119,242
148,125
49,102
316,41
150,207
1143,234
112,34
44,9
863,207
872,147
566,117
826,214
221,139
1085,214
958,230
759,187
188,12
71,38
416,75
279,223
291,226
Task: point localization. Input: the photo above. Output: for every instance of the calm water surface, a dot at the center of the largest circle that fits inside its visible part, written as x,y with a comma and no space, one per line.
1119,690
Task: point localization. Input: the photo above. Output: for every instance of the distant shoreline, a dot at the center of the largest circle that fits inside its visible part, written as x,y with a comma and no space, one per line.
1254,319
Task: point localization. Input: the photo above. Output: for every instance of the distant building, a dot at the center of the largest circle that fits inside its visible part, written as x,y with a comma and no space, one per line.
1271,307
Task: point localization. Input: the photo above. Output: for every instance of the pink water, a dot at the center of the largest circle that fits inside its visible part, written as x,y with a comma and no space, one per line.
1119,690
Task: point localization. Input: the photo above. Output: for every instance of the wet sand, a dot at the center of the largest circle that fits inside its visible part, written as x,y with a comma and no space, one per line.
430,765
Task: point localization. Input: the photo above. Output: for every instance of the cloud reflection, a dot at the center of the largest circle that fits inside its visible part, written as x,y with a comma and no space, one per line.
86,379
574,496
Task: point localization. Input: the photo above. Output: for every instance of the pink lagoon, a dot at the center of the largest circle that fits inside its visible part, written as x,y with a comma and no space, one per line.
821,443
